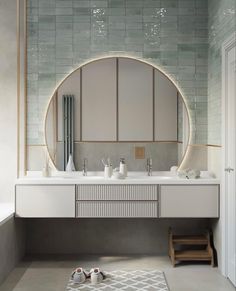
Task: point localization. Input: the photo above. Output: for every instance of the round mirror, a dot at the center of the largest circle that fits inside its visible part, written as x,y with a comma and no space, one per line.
117,107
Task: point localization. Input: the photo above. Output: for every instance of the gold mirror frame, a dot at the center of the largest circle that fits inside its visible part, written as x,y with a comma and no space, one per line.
131,58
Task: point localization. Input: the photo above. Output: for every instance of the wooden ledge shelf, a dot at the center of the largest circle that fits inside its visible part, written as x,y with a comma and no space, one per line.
190,240
193,255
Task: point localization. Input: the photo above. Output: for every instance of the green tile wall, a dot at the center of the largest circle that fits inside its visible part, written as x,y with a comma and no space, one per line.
222,24
62,34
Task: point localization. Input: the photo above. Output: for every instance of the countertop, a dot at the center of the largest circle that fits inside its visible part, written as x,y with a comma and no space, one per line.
64,178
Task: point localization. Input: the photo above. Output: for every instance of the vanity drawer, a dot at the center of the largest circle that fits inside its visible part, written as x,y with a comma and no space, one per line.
117,192
114,209
45,201
189,201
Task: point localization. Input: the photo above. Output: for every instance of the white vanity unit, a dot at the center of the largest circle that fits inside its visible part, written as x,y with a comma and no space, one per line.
137,196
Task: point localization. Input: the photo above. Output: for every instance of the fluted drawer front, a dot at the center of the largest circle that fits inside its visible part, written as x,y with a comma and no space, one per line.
116,209
117,192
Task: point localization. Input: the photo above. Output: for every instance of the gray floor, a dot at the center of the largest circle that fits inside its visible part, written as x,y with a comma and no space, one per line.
52,274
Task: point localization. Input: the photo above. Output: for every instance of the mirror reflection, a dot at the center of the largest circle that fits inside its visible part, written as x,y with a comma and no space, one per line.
117,108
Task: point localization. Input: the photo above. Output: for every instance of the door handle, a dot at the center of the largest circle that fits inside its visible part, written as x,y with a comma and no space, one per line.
229,169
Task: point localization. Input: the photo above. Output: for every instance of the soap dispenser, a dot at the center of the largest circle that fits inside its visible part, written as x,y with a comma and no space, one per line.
123,167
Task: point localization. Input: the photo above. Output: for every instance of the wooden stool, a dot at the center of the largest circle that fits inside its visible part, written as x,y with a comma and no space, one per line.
188,254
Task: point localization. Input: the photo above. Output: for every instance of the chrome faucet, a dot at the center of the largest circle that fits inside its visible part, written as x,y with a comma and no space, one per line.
85,164
149,167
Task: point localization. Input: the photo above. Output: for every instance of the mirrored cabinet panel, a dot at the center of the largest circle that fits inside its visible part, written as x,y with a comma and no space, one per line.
166,108
112,107
99,94
135,101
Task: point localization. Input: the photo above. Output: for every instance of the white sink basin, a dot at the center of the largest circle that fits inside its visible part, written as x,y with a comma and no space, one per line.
131,176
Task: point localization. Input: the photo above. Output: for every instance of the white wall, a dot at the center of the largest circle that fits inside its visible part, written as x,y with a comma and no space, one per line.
8,100
214,166
214,160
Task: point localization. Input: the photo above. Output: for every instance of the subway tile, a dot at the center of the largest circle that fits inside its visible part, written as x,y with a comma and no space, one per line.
133,11
64,18
83,35
134,3
81,3
64,11
47,3
116,47
46,67
187,3
134,33
47,22
169,3
116,22
134,25
81,26
202,4
151,18
151,47
63,3
47,36
152,54
64,26
152,3
169,62
133,18
116,11
99,3
43,77
46,11
45,56
66,69
81,11
63,62
169,47
63,38
81,18
186,11
116,3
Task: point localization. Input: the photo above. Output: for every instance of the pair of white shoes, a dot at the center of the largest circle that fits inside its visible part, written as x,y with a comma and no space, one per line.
79,276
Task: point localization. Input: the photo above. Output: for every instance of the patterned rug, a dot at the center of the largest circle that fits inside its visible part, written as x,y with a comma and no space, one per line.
145,280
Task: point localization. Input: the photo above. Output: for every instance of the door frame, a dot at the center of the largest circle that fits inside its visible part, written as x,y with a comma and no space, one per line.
226,47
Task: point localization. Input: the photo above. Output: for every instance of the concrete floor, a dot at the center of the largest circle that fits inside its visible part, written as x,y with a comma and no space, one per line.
51,274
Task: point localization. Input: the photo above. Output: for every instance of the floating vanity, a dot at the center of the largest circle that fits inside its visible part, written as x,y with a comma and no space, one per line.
158,196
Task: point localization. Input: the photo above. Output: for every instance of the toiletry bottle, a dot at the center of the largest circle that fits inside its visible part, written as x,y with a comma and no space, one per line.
123,167
110,167
46,171
108,171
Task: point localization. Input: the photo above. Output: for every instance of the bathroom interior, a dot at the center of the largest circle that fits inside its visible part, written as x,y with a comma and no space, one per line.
117,145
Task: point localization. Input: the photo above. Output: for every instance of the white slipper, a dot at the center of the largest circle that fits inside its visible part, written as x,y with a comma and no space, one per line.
79,276
96,276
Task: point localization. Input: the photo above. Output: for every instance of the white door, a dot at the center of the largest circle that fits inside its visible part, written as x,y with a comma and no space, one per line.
229,87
